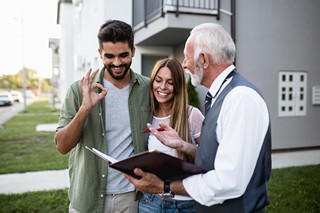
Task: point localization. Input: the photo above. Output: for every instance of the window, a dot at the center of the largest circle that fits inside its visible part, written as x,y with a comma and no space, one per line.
148,62
292,93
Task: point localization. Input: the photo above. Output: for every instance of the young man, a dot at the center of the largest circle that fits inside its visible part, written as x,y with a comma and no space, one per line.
235,141
105,110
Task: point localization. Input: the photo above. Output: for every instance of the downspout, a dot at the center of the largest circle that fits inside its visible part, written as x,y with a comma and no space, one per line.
58,12
162,9
177,8
233,23
218,15
144,13
233,20
232,14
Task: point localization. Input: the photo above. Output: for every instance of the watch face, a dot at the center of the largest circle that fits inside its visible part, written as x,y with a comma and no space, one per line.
167,195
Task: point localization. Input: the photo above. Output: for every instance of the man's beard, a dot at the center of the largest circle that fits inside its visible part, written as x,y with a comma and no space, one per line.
118,76
197,77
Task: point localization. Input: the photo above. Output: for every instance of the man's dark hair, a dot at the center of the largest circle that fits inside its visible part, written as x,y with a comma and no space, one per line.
115,31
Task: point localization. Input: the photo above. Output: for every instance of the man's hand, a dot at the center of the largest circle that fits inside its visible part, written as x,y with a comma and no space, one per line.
148,183
69,136
89,97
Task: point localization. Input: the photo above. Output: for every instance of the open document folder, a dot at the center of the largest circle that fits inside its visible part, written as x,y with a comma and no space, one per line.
164,166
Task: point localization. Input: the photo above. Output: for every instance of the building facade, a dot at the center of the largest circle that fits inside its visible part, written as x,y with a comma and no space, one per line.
277,49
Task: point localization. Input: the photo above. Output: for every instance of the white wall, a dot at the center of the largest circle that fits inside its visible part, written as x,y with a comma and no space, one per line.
66,50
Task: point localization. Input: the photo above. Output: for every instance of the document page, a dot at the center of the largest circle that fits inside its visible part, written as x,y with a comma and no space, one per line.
103,156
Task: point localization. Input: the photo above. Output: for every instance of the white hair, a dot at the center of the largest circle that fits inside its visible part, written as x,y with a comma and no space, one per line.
212,39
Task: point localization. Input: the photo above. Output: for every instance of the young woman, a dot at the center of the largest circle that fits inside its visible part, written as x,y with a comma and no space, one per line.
169,104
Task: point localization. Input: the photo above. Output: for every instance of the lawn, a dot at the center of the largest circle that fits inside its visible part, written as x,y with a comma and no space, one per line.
294,190
24,149
55,201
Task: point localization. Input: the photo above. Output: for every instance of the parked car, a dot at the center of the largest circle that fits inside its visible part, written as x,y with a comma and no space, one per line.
17,96
6,99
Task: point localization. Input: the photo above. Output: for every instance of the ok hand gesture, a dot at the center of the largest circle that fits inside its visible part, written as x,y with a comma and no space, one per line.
89,97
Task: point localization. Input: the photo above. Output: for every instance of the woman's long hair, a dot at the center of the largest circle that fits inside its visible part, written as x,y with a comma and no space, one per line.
179,114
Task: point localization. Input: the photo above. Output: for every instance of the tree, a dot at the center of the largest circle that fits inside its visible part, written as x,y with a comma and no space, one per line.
192,94
14,82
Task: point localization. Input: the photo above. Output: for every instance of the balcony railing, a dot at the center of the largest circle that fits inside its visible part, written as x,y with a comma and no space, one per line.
146,11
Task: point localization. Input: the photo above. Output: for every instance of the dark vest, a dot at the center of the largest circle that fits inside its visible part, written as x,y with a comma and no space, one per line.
255,197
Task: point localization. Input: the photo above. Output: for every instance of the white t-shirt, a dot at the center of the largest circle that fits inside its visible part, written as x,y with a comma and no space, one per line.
195,123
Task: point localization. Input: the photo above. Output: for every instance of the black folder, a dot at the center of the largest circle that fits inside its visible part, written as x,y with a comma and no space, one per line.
164,166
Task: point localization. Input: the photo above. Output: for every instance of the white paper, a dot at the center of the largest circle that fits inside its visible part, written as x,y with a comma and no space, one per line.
102,155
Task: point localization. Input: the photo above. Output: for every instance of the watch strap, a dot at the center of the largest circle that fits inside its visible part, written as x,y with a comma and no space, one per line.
167,193
166,186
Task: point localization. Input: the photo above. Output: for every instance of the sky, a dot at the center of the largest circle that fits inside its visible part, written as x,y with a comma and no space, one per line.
26,26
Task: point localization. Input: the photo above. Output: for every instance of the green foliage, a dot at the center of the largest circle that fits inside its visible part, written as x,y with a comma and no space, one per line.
10,82
46,85
55,201
14,82
22,147
192,94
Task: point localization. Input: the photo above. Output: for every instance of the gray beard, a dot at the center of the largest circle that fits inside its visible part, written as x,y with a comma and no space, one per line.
196,78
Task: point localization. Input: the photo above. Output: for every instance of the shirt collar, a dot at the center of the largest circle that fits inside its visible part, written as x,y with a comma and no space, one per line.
219,80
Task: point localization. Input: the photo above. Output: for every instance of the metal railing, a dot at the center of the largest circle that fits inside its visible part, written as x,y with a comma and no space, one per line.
146,11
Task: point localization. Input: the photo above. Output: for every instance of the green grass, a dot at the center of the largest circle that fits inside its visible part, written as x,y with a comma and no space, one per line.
40,202
295,189
24,149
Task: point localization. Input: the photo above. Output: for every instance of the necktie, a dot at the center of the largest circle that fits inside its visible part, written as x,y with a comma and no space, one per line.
207,103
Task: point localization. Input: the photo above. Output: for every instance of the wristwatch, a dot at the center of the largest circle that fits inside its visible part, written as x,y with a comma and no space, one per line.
166,190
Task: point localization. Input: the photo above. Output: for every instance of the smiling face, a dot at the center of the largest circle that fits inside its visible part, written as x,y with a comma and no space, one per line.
162,86
117,59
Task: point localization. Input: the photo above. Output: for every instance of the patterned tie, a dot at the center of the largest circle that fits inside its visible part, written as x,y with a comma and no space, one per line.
207,103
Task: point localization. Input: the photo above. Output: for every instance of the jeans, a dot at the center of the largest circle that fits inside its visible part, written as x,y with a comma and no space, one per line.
152,203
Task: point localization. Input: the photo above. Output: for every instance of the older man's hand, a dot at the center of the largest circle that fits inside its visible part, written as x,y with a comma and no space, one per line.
148,182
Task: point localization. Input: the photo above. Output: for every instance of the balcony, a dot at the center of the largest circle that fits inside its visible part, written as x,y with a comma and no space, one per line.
168,22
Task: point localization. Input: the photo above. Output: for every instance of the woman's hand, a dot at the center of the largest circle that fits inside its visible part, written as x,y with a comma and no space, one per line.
168,137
